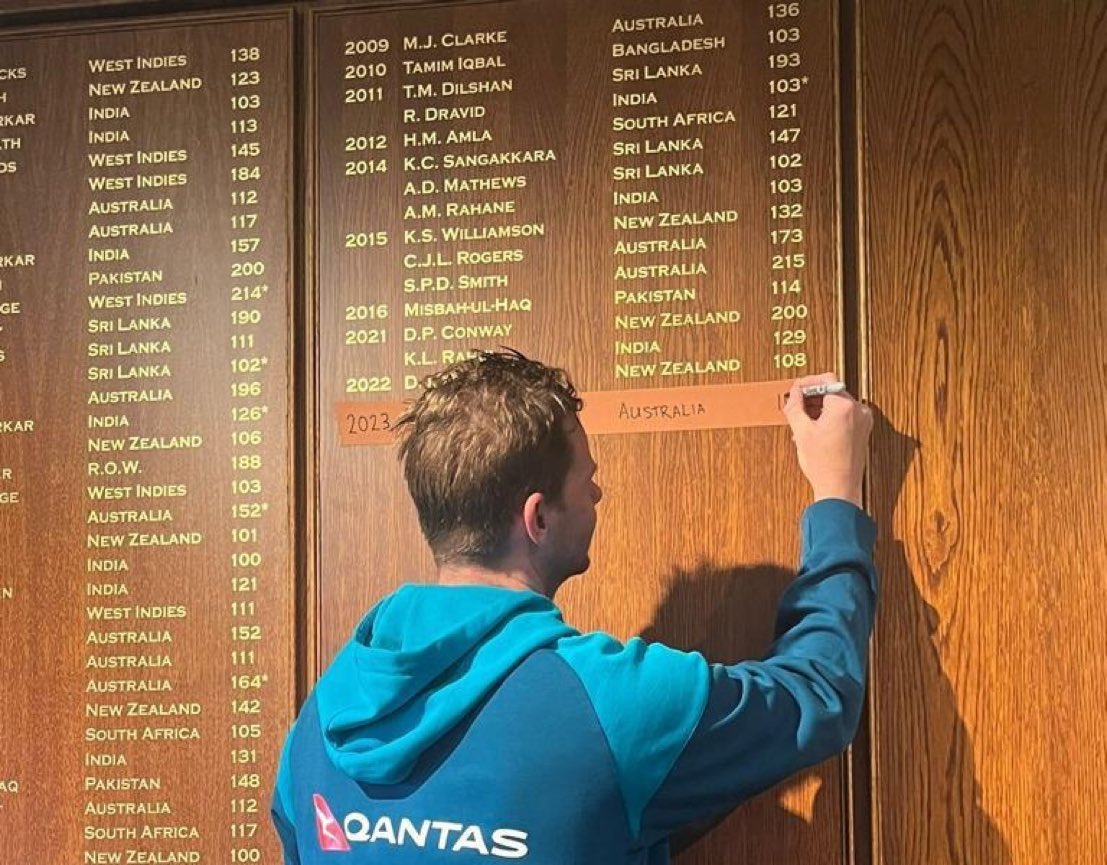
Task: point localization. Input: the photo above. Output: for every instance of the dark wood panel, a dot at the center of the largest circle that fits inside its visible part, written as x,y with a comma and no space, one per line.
146,612
682,510
984,172
78,8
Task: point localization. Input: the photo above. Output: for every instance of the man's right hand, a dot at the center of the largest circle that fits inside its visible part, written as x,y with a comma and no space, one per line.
832,444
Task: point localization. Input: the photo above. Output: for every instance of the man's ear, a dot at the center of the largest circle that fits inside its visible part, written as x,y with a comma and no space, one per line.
535,518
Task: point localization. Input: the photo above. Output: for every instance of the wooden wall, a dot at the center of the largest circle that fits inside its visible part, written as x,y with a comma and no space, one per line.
983,152
954,169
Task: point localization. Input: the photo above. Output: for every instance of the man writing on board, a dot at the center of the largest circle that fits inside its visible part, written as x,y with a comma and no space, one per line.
465,721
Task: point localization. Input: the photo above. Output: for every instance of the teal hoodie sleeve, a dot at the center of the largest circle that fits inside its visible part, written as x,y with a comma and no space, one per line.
648,699
766,720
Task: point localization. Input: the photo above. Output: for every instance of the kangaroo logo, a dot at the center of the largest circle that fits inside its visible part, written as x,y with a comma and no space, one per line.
330,834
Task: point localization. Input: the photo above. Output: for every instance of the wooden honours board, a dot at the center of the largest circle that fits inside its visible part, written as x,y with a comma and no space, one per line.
645,194
650,200
646,197
339,180
144,365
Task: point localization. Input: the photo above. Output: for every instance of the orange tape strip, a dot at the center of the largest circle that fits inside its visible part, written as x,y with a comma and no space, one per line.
668,409
367,423
651,410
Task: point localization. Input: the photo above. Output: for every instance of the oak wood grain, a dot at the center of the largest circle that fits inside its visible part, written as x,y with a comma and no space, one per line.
983,166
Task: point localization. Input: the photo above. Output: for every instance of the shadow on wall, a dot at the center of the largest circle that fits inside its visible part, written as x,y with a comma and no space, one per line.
926,788
727,614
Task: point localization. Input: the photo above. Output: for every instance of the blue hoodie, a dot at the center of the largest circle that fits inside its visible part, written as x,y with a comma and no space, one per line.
470,723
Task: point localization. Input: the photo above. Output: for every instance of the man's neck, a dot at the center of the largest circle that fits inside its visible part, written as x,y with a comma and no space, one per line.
518,578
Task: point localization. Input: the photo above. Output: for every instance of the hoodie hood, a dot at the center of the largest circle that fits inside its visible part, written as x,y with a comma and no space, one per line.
418,663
